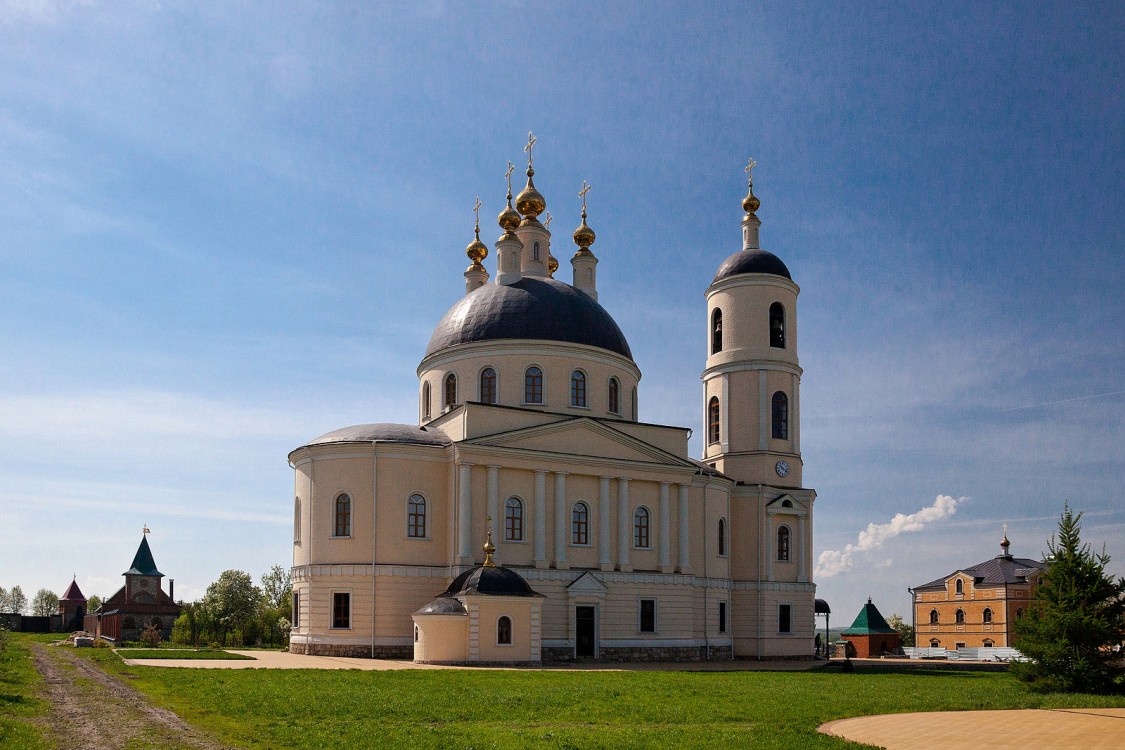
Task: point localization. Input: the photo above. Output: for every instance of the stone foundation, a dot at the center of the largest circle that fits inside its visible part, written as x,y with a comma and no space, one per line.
646,654
353,652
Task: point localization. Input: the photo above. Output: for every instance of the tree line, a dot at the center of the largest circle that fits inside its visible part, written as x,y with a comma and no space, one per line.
15,602
235,612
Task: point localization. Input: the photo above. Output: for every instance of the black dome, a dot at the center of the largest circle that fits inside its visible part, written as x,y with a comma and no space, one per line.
751,261
532,308
384,432
492,580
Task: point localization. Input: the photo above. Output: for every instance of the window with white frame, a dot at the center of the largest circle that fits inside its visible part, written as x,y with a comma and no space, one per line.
341,610
416,517
513,520
343,525
647,616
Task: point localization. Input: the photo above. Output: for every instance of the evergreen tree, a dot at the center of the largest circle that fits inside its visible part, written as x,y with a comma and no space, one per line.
1069,637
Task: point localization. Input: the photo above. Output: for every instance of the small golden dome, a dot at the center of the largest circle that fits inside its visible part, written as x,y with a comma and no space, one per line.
583,235
477,250
552,264
509,218
750,203
530,202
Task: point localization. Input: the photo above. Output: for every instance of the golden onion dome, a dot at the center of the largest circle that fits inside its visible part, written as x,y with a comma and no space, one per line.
509,218
530,202
477,250
750,203
552,264
583,235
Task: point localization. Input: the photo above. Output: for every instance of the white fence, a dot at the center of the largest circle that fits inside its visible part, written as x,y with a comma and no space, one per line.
964,654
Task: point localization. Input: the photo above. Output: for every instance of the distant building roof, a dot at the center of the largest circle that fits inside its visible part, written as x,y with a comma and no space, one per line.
868,621
999,570
143,564
72,593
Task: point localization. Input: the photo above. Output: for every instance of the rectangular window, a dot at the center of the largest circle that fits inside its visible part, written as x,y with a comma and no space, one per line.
296,609
785,618
648,616
722,617
341,609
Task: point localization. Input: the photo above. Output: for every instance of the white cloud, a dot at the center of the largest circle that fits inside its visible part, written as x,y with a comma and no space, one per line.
831,561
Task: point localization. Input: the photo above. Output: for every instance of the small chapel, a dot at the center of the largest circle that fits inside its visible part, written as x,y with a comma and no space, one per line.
611,541
141,602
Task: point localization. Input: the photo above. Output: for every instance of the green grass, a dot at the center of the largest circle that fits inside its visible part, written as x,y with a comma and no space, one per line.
177,653
559,709
19,699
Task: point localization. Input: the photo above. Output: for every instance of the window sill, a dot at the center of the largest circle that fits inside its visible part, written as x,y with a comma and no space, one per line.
346,536
417,538
515,541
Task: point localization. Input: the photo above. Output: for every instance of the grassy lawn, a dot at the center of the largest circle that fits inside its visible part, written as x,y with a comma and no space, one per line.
19,700
517,709
177,653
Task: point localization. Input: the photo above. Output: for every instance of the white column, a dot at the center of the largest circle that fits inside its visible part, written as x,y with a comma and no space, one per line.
795,415
684,558
624,525
605,559
800,551
763,412
465,515
540,519
665,523
562,512
494,500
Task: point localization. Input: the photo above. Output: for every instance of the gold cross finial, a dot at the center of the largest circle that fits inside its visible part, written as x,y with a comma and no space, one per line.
582,194
749,170
476,212
489,548
508,176
531,139
550,218
146,531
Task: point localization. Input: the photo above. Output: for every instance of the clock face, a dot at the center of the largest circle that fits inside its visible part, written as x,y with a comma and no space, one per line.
782,468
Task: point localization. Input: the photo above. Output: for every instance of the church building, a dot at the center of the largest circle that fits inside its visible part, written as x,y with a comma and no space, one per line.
625,546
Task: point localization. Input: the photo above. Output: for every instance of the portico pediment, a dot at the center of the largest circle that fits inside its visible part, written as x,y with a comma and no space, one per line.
787,504
586,584
581,437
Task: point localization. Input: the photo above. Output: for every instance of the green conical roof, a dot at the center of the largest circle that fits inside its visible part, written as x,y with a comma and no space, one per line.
869,620
143,564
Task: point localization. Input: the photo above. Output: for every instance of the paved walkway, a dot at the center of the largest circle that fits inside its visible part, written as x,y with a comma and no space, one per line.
1054,729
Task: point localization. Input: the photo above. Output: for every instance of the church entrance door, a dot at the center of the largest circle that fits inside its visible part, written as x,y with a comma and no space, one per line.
584,632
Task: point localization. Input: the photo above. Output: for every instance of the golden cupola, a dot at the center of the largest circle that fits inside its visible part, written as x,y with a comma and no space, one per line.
530,202
509,218
583,235
477,250
750,204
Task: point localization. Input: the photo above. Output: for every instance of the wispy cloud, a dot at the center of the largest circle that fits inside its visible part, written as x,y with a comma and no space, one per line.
832,562
1066,400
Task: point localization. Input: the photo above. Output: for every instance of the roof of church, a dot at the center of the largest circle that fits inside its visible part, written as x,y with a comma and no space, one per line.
143,564
72,593
869,620
490,580
443,605
541,309
751,261
385,432
999,570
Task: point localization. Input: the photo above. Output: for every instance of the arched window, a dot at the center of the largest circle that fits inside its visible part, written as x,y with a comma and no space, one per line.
533,386
535,251
1019,612
783,544
722,536
713,420
343,516
416,517
425,400
634,402
987,616
580,524
296,519
960,617
933,617
780,416
614,396
777,325
988,643
716,331
450,391
577,388
415,633
488,386
504,624
960,586
513,520
935,643
640,528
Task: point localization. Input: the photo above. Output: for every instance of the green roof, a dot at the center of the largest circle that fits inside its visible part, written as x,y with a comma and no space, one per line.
143,564
868,621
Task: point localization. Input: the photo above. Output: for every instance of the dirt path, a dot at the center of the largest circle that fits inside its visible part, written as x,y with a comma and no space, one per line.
93,710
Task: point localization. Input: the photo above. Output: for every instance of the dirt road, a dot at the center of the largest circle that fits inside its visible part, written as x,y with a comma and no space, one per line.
93,710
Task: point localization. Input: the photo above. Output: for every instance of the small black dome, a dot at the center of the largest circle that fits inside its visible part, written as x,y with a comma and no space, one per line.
443,605
494,580
532,308
751,261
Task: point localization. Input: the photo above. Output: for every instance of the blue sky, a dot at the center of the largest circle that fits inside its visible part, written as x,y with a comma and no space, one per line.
226,229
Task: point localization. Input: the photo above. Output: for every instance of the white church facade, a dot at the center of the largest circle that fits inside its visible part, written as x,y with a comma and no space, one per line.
528,428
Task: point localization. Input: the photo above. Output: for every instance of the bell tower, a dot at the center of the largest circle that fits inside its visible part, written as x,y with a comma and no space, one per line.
752,378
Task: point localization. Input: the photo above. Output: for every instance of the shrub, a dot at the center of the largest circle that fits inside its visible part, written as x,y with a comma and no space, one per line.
151,636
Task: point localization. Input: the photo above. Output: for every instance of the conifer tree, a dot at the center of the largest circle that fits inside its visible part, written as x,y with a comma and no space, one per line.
1069,637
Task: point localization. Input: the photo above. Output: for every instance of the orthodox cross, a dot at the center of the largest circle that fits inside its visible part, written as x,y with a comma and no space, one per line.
508,175
476,212
582,194
749,170
550,218
531,139
146,531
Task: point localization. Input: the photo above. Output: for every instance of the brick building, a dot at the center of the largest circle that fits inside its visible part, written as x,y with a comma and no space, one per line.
140,602
976,607
869,635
